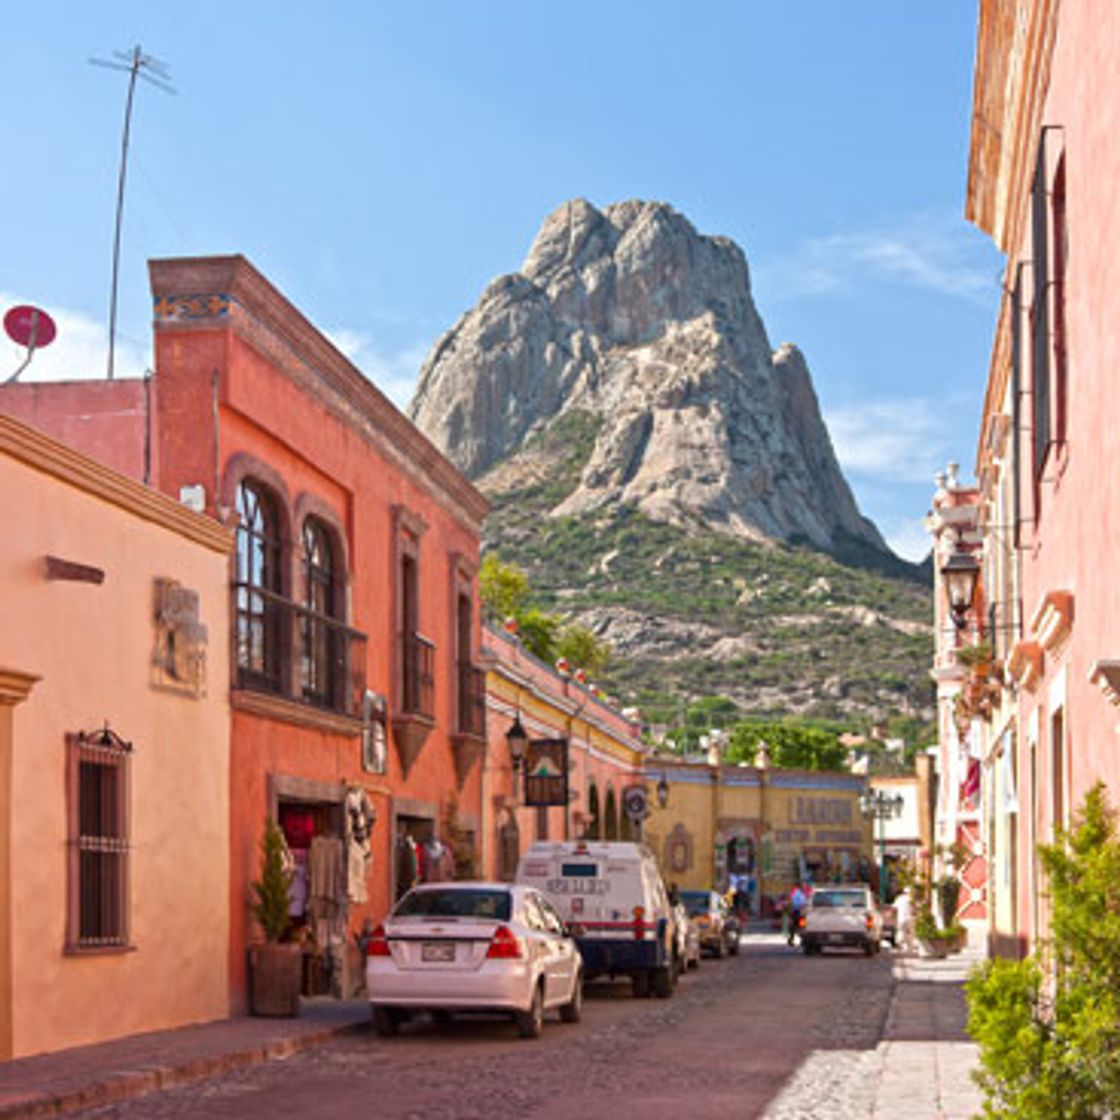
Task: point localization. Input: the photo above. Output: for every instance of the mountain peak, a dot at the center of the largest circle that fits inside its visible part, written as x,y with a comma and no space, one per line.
631,315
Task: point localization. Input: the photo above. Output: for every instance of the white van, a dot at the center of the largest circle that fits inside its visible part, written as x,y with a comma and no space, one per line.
611,895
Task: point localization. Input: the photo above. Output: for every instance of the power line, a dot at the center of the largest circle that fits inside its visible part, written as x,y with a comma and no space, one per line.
135,64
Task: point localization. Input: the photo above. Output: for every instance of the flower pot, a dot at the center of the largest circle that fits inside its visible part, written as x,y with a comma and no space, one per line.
935,948
274,979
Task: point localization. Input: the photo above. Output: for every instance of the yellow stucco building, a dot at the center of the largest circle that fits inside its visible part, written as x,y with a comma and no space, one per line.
771,826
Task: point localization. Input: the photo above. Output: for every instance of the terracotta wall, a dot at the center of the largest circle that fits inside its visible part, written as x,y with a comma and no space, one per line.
292,412
92,646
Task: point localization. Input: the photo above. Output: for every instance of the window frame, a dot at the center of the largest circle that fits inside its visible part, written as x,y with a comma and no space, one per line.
112,755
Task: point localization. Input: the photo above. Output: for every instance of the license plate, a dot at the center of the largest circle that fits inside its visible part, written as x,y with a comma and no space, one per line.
437,951
835,937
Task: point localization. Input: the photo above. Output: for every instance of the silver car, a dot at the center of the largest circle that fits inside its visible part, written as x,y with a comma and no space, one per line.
454,947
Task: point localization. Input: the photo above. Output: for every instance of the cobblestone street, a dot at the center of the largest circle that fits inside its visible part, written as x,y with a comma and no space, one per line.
725,1045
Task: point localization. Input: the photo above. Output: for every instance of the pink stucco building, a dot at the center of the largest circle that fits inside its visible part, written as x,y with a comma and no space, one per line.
114,753
1044,162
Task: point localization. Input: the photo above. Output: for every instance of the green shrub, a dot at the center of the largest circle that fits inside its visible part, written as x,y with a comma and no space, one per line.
1048,1028
271,890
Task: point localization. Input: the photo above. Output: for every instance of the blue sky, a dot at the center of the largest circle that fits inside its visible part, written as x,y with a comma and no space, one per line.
382,163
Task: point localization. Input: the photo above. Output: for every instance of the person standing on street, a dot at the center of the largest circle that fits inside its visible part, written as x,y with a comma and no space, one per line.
798,900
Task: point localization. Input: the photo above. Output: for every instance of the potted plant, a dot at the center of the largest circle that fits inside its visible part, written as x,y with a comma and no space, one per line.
275,964
930,941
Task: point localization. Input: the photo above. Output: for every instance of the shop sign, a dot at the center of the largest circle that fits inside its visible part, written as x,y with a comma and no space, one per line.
635,803
546,772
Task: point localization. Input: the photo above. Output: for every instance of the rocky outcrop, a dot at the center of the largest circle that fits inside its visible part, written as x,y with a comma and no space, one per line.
629,314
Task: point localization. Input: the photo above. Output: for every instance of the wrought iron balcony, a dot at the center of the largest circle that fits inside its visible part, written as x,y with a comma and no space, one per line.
288,650
417,676
471,701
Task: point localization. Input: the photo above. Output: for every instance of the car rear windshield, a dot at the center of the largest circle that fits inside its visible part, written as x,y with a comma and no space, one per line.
696,902
461,903
839,900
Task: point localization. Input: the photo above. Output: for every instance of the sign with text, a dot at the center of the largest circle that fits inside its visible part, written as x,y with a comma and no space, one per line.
546,772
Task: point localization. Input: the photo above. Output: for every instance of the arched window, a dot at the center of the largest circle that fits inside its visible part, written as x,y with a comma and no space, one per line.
594,830
258,588
610,824
320,642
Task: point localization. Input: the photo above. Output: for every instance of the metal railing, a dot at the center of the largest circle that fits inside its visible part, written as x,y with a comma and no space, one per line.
417,676
471,701
286,649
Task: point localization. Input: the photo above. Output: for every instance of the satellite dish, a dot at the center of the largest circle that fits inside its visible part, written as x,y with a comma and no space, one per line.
30,327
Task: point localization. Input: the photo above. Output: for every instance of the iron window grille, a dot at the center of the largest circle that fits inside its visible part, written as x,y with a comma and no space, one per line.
98,841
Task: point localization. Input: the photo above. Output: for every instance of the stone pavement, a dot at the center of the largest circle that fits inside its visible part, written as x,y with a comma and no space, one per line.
93,1076
926,1057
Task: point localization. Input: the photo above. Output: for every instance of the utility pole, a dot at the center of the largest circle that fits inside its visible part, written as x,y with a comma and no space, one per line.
135,64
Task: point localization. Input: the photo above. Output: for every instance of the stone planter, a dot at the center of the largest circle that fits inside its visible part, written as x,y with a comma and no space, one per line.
936,948
274,979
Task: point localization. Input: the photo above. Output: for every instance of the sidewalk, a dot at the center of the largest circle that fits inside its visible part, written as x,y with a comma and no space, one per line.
93,1076
926,1056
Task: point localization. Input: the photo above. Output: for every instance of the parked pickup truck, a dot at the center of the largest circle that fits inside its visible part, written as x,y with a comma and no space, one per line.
841,916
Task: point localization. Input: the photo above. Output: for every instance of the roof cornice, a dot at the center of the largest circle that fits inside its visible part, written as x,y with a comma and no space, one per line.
257,300
41,453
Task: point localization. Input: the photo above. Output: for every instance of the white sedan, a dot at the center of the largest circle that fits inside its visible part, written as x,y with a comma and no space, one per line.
451,947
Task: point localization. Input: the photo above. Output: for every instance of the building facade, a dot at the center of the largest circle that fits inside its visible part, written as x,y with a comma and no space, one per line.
357,700
605,756
773,827
114,753
1043,155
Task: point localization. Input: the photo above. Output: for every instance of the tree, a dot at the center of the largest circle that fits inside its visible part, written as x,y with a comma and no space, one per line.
792,746
582,649
503,587
1048,1027
538,631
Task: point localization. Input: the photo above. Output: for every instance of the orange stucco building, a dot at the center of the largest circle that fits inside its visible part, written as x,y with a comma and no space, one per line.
358,713
114,753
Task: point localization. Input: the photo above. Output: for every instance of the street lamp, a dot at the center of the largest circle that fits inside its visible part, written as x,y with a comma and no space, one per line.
960,573
517,739
881,806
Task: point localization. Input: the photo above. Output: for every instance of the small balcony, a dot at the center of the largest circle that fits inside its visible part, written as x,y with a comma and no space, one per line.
284,649
468,740
471,701
414,717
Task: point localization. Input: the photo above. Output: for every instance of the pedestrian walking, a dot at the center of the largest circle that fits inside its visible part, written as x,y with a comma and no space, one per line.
798,900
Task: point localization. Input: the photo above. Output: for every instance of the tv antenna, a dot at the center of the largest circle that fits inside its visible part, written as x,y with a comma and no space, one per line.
135,64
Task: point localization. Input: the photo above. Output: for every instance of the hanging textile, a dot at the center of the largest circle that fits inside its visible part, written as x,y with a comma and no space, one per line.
325,877
360,819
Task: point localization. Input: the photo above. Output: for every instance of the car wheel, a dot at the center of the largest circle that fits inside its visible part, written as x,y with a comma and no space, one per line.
868,948
386,1020
530,1022
663,982
733,948
694,962
639,983
720,949
572,1011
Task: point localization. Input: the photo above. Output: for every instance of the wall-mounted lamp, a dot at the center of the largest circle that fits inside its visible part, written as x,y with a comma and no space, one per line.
663,792
517,739
960,573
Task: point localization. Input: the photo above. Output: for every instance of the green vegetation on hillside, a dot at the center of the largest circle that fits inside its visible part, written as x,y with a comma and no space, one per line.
692,612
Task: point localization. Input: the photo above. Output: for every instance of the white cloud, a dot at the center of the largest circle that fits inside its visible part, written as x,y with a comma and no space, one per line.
906,440
929,252
393,372
908,539
79,352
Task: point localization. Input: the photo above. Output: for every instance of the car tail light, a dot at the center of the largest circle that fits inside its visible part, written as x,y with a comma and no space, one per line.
378,944
504,945
801,922
639,922
870,920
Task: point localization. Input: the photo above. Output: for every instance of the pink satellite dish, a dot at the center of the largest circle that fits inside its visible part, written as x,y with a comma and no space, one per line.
30,327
